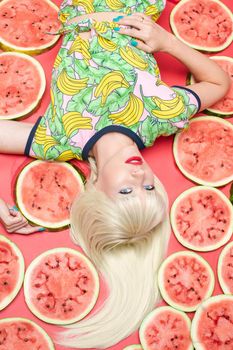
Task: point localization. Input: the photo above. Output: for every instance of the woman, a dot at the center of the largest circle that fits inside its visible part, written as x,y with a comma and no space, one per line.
107,103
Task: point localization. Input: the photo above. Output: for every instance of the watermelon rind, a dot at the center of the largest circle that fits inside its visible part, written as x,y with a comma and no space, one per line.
36,262
194,326
6,301
211,111
165,295
191,177
188,245
36,221
35,103
6,46
193,45
133,347
222,255
147,320
37,327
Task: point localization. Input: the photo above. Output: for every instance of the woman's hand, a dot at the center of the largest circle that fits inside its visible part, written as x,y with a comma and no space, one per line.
14,221
148,35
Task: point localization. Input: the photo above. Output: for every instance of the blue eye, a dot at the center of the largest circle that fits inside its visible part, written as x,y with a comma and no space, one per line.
126,190
149,187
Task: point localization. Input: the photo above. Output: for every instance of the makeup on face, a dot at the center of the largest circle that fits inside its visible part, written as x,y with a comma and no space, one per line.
134,160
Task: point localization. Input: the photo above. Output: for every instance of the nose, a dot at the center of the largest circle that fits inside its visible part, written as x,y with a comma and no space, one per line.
138,173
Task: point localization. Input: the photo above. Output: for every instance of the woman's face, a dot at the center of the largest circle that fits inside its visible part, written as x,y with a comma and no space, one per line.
126,173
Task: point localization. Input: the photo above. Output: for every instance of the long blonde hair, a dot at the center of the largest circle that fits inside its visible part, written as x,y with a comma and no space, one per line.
126,240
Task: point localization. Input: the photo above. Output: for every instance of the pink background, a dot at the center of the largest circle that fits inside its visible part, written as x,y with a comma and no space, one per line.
159,156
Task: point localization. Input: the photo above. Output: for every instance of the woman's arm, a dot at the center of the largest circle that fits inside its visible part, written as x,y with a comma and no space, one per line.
212,83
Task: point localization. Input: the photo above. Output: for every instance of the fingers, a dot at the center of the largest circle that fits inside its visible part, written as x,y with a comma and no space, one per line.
26,230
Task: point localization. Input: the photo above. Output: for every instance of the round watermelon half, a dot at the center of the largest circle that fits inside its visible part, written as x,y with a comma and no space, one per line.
11,271
205,25
185,280
203,152
225,269
45,192
22,85
224,107
202,218
18,333
133,347
166,328
212,325
25,25
61,286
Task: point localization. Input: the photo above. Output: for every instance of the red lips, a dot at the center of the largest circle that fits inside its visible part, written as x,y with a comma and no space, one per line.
134,161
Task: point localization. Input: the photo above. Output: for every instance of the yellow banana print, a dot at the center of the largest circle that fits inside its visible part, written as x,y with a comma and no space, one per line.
111,81
40,135
49,142
131,114
73,121
115,4
152,11
82,46
63,17
100,27
86,4
168,108
70,86
67,155
133,58
57,62
106,44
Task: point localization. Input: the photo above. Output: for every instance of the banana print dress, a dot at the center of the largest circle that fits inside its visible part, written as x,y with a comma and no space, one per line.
104,84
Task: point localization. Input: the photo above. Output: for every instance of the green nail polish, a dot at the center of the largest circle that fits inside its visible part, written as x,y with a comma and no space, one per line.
116,19
133,43
15,208
41,229
117,29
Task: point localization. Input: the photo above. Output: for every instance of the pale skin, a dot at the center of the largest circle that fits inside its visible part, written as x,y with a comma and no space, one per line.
116,177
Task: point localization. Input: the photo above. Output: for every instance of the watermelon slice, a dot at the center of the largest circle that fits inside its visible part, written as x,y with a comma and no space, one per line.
11,271
224,107
225,269
205,25
133,347
25,24
45,192
204,153
185,280
212,325
61,286
202,218
18,333
22,85
166,328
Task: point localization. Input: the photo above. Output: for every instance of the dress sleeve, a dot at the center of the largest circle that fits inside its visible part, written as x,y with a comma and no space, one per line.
190,98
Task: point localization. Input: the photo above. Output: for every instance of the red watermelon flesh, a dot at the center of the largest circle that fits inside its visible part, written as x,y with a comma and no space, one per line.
22,84
205,150
225,269
226,104
11,271
166,328
214,324
61,286
48,191
203,218
22,334
204,23
187,281
24,23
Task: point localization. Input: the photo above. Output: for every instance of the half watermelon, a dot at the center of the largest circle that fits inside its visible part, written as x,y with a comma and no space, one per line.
205,25
45,192
25,25
22,85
